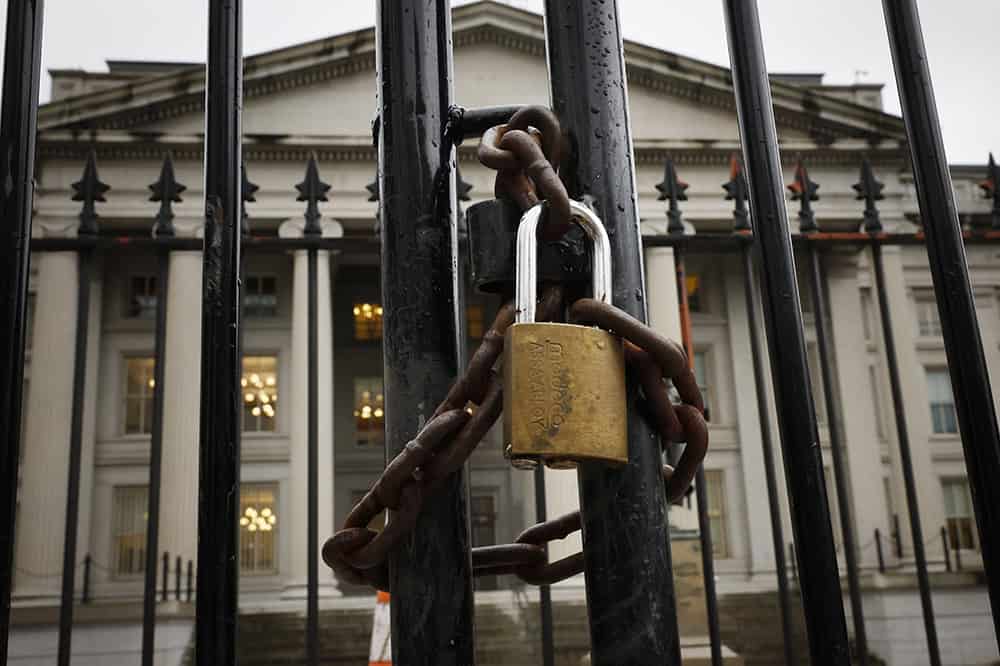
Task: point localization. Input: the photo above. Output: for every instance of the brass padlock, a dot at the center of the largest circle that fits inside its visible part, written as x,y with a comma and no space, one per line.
564,384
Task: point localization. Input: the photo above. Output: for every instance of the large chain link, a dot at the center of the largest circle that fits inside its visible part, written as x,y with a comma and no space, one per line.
525,152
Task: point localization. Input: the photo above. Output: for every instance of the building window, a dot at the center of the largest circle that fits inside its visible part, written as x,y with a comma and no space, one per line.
367,322
715,490
701,376
925,305
139,385
483,516
260,393
142,293
695,292
958,513
128,530
258,528
369,411
260,296
943,419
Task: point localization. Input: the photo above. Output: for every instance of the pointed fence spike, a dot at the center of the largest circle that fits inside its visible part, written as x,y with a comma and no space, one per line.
869,189
89,189
312,190
167,191
673,190
737,192
249,192
991,191
805,192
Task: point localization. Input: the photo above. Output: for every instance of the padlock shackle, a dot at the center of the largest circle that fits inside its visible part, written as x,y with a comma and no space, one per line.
526,275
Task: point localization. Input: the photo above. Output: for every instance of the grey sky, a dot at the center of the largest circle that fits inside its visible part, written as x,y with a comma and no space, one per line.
845,39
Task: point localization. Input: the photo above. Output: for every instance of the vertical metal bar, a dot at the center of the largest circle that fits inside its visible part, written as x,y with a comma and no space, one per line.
18,116
770,478
947,550
155,461
544,591
312,583
431,574
819,581
793,559
178,572
878,551
630,592
897,536
958,559
701,492
970,380
166,576
219,442
189,585
821,313
905,459
87,561
85,269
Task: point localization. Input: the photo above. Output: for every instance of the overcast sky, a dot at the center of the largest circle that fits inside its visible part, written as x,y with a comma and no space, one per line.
845,39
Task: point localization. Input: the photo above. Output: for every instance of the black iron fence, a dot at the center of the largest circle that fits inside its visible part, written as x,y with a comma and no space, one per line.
627,565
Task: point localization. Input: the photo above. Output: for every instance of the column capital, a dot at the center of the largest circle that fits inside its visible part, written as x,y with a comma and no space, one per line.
292,228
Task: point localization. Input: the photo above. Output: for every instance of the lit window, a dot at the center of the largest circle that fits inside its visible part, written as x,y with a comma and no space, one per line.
142,294
943,419
925,305
715,490
128,530
367,321
139,385
958,513
474,321
694,292
701,376
369,411
258,528
259,385
260,296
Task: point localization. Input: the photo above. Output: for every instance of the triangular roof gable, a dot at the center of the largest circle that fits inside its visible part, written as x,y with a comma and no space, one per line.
135,105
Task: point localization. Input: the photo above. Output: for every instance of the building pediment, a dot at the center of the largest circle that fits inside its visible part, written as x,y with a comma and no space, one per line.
326,88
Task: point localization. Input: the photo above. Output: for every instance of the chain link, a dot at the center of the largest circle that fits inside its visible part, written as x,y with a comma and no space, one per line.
525,152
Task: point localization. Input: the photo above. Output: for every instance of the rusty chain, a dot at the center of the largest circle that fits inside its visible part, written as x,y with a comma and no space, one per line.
525,152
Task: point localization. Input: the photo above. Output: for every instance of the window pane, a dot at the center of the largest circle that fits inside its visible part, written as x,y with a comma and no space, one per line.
716,493
260,393
942,404
260,297
128,530
258,528
142,294
138,398
701,376
694,292
367,321
369,411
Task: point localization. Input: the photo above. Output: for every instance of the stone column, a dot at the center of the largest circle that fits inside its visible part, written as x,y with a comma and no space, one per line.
45,454
181,408
857,404
915,403
296,571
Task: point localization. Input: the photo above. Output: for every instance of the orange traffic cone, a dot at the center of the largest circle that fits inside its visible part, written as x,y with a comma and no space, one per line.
380,653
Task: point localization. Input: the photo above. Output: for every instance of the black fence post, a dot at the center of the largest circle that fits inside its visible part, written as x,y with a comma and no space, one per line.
219,442
897,536
821,315
178,572
970,380
947,550
770,477
89,189
544,591
630,593
431,573
878,551
189,585
165,566
958,558
87,563
18,120
905,459
819,582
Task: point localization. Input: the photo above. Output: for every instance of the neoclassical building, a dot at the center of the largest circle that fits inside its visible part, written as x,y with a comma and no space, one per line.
319,98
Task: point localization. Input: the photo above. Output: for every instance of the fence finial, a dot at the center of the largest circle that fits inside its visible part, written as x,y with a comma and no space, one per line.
804,191
869,189
167,191
248,194
312,190
736,191
992,191
89,189
672,189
